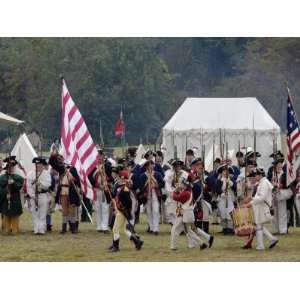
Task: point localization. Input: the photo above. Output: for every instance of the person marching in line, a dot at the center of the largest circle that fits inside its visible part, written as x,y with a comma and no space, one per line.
296,186
68,192
38,184
123,212
214,201
197,168
189,157
185,216
226,188
151,182
99,181
52,194
281,193
133,190
261,204
10,199
173,178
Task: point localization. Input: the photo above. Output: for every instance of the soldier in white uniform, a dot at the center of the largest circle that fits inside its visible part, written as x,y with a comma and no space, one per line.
99,181
280,196
172,179
261,204
38,184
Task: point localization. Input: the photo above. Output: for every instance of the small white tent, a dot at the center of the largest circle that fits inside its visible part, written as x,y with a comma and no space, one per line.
199,121
9,119
24,153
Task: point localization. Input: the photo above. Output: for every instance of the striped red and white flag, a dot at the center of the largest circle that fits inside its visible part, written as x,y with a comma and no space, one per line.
77,146
293,141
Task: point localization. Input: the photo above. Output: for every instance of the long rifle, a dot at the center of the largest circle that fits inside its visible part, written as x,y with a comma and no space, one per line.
213,151
81,201
36,190
221,145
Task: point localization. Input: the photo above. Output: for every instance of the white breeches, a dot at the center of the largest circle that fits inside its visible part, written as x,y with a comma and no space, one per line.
102,211
152,209
225,208
39,215
206,210
170,210
279,221
193,239
297,204
262,231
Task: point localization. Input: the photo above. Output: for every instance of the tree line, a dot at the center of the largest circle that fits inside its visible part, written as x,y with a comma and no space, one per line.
149,77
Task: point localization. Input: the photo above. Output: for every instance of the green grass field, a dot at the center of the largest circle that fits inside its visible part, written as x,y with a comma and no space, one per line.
89,245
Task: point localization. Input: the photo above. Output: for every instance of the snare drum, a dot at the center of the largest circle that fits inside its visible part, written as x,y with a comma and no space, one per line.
243,220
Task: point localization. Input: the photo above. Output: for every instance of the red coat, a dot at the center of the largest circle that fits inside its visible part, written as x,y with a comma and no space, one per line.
183,196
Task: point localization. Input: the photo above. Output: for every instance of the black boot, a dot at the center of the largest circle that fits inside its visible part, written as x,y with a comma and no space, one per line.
205,226
77,226
115,246
64,228
70,225
73,228
137,242
49,227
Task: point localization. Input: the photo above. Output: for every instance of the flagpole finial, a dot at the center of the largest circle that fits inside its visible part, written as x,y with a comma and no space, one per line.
61,76
286,84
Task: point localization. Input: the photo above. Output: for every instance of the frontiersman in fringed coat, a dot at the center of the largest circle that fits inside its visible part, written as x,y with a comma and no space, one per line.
10,199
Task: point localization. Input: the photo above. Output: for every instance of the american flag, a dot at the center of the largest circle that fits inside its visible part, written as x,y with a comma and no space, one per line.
77,146
293,141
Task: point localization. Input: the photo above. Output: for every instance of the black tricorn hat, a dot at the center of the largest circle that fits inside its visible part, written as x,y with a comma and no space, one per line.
190,152
260,171
197,160
39,160
177,162
277,153
148,153
159,153
10,160
223,167
252,154
239,154
217,160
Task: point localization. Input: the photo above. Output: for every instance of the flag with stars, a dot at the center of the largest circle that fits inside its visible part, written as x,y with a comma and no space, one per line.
293,141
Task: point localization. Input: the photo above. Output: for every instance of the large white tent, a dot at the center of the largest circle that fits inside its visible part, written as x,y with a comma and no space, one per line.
24,153
8,119
199,121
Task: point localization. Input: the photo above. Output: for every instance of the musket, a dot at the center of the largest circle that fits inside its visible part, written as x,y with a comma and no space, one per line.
213,151
36,190
81,200
186,147
221,146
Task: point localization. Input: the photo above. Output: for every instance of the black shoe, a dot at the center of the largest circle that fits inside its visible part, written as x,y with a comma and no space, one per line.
273,244
205,226
115,246
203,246
155,232
137,242
247,246
64,228
73,228
49,227
210,241
77,226
100,230
105,231
149,231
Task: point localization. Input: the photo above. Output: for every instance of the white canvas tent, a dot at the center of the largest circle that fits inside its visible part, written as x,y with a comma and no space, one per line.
8,119
24,153
236,117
